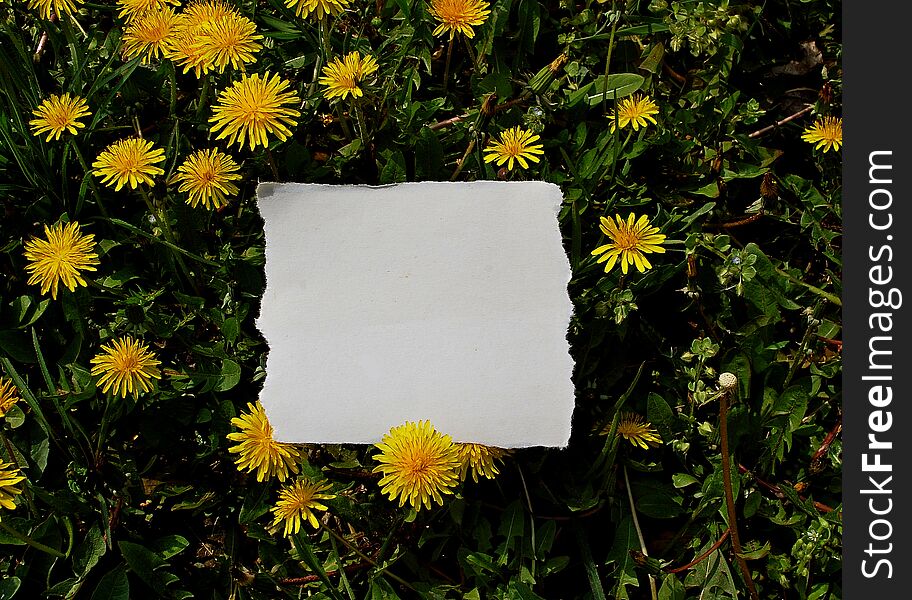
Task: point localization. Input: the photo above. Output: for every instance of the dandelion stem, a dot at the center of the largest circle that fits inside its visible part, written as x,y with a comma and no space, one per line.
636,525
446,68
617,17
325,38
362,128
471,51
343,123
172,84
272,163
34,544
204,92
729,496
462,161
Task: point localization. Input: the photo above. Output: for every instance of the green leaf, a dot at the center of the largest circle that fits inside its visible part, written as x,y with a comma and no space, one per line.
68,588
230,329
146,564
9,586
393,170
428,155
592,574
625,540
381,590
672,588
113,586
89,552
511,524
711,573
229,377
660,415
615,87
657,499
169,545
680,480
653,62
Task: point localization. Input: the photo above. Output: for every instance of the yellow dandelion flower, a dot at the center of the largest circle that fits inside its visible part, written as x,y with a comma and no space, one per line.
630,240
258,451
128,161
186,48
515,144
150,35
207,177
127,366
131,9
341,77
418,464
319,8
9,396
60,258
230,39
201,12
480,459
254,107
459,16
47,8
826,133
636,111
10,476
59,114
297,502
636,430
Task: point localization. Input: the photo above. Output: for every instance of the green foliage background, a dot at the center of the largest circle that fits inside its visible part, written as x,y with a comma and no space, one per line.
140,499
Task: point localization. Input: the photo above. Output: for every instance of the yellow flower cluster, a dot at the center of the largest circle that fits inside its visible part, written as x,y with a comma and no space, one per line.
126,367
207,36
419,464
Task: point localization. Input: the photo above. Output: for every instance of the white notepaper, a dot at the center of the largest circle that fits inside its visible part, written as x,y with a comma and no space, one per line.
439,301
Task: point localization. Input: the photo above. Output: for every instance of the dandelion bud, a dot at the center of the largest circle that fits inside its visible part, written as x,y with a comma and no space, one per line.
542,80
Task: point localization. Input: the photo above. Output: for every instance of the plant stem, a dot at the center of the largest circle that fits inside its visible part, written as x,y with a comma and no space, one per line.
204,94
172,83
343,123
636,525
446,68
823,294
88,171
34,544
365,557
730,498
471,51
608,59
465,157
362,127
325,38
162,219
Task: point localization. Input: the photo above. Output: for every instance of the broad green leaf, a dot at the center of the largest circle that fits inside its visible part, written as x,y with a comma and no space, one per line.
625,540
617,86
229,377
89,552
113,586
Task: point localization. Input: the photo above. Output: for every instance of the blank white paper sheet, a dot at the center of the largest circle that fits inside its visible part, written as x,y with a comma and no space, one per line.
438,301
